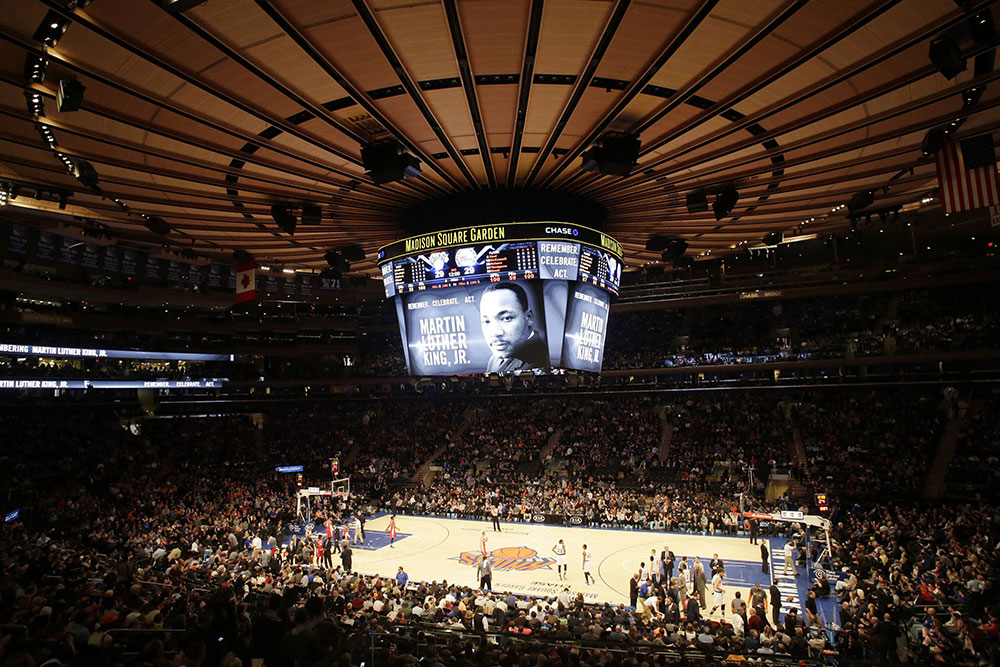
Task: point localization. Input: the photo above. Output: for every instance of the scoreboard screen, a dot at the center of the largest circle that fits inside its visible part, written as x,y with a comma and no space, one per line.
468,265
503,298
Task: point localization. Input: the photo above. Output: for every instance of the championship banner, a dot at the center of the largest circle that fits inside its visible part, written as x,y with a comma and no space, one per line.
245,282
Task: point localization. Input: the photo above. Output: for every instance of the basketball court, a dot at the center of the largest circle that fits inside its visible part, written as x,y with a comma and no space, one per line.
436,549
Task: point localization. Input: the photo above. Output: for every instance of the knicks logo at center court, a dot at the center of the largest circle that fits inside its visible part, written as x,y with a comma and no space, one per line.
521,559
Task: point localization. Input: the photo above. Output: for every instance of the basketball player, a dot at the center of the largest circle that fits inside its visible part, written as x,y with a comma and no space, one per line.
482,545
560,551
391,528
586,566
718,593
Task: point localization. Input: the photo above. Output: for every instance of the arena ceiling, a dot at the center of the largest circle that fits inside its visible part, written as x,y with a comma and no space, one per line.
206,117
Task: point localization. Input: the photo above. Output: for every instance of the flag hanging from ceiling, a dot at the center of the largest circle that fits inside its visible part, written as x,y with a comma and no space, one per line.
245,280
967,174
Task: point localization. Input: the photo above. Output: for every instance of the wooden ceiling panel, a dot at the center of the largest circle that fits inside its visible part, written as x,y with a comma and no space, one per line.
246,102
568,34
494,34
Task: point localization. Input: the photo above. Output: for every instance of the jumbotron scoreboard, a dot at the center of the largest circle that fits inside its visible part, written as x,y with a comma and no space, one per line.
515,297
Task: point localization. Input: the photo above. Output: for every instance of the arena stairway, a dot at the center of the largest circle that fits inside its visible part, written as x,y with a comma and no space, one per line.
796,487
666,435
937,472
424,476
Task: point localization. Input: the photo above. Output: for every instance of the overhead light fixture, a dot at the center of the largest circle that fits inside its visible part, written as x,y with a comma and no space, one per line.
724,202
36,107
51,29
773,238
4,193
386,162
615,154
70,95
177,6
283,217
34,68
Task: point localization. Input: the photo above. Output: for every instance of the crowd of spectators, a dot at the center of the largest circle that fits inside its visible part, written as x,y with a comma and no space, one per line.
948,320
755,331
974,471
851,438
156,547
504,438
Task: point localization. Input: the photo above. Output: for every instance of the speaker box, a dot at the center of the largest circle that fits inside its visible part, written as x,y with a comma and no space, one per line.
311,214
697,202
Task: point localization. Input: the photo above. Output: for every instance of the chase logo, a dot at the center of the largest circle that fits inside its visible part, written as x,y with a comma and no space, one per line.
520,559
572,231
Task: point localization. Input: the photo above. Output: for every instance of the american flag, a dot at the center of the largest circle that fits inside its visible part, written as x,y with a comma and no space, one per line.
967,174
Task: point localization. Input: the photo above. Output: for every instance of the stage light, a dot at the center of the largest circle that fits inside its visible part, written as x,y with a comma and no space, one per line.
773,238
615,154
36,107
34,68
724,202
70,95
283,217
386,162
51,29
4,193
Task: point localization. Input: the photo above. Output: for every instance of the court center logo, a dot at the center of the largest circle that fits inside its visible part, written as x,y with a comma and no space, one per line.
519,559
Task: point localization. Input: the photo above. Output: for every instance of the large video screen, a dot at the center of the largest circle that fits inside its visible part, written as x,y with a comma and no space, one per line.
521,297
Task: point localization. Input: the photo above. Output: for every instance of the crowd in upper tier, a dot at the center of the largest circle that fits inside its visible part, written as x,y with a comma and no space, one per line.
889,323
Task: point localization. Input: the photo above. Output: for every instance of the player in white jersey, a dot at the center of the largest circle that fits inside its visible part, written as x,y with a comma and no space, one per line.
718,593
586,566
560,551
